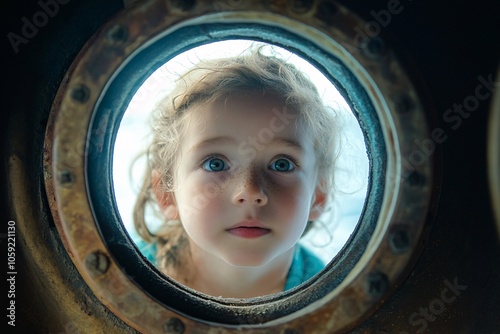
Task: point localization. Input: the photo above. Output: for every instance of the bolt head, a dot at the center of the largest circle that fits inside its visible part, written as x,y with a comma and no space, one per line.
399,240
117,33
97,263
376,284
80,94
174,326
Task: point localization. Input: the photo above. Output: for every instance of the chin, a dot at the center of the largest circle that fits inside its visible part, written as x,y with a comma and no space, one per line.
247,260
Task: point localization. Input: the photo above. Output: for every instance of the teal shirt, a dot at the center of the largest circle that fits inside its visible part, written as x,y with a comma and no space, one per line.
304,264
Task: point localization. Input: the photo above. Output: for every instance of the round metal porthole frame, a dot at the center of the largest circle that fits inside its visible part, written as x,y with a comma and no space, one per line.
78,130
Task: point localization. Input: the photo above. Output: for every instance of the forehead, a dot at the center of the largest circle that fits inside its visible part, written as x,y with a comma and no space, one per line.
245,114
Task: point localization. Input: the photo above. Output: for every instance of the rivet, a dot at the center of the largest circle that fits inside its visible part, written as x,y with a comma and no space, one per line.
80,93
300,6
174,326
228,4
399,240
97,263
376,284
403,104
183,5
415,179
291,331
117,33
66,178
374,47
326,11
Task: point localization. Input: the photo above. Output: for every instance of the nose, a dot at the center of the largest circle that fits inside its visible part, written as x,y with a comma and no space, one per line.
250,191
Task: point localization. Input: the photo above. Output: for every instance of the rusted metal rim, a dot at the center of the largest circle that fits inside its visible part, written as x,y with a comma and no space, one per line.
99,157
390,112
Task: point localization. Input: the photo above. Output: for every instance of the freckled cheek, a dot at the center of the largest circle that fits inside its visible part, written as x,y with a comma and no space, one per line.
203,200
205,185
291,201
286,199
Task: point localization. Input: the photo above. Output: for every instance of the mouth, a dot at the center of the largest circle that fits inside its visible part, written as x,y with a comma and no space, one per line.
249,230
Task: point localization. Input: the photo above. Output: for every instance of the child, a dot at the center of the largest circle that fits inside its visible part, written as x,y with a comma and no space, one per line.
241,164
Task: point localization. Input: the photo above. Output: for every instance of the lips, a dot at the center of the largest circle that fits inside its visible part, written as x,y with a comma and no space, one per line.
249,229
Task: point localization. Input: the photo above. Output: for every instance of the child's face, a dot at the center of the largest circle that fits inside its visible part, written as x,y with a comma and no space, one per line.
246,180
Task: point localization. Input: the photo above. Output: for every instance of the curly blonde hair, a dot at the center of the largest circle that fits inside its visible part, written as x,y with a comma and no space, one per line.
216,80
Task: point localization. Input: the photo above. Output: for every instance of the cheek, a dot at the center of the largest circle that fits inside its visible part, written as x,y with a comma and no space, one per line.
198,221
292,202
200,200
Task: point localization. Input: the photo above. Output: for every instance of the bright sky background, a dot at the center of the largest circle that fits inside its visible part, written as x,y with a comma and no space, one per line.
134,135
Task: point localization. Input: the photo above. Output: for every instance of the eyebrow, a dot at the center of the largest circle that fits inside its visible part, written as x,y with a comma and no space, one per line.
213,141
221,140
288,142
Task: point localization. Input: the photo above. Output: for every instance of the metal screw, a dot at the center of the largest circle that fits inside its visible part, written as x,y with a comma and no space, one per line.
117,33
183,5
291,331
326,11
404,104
374,48
415,179
399,240
66,178
301,6
174,326
376,283
97,263
80,93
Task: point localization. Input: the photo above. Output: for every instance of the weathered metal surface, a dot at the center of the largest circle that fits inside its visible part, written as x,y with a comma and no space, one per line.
461,250
50,296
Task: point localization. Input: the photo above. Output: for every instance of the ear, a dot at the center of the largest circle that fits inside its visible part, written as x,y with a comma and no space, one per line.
318,203
165,199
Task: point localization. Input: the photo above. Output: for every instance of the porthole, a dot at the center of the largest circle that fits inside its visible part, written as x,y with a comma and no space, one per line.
84,125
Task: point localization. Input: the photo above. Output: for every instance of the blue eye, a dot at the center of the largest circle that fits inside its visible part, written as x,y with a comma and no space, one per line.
282,165
214,165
